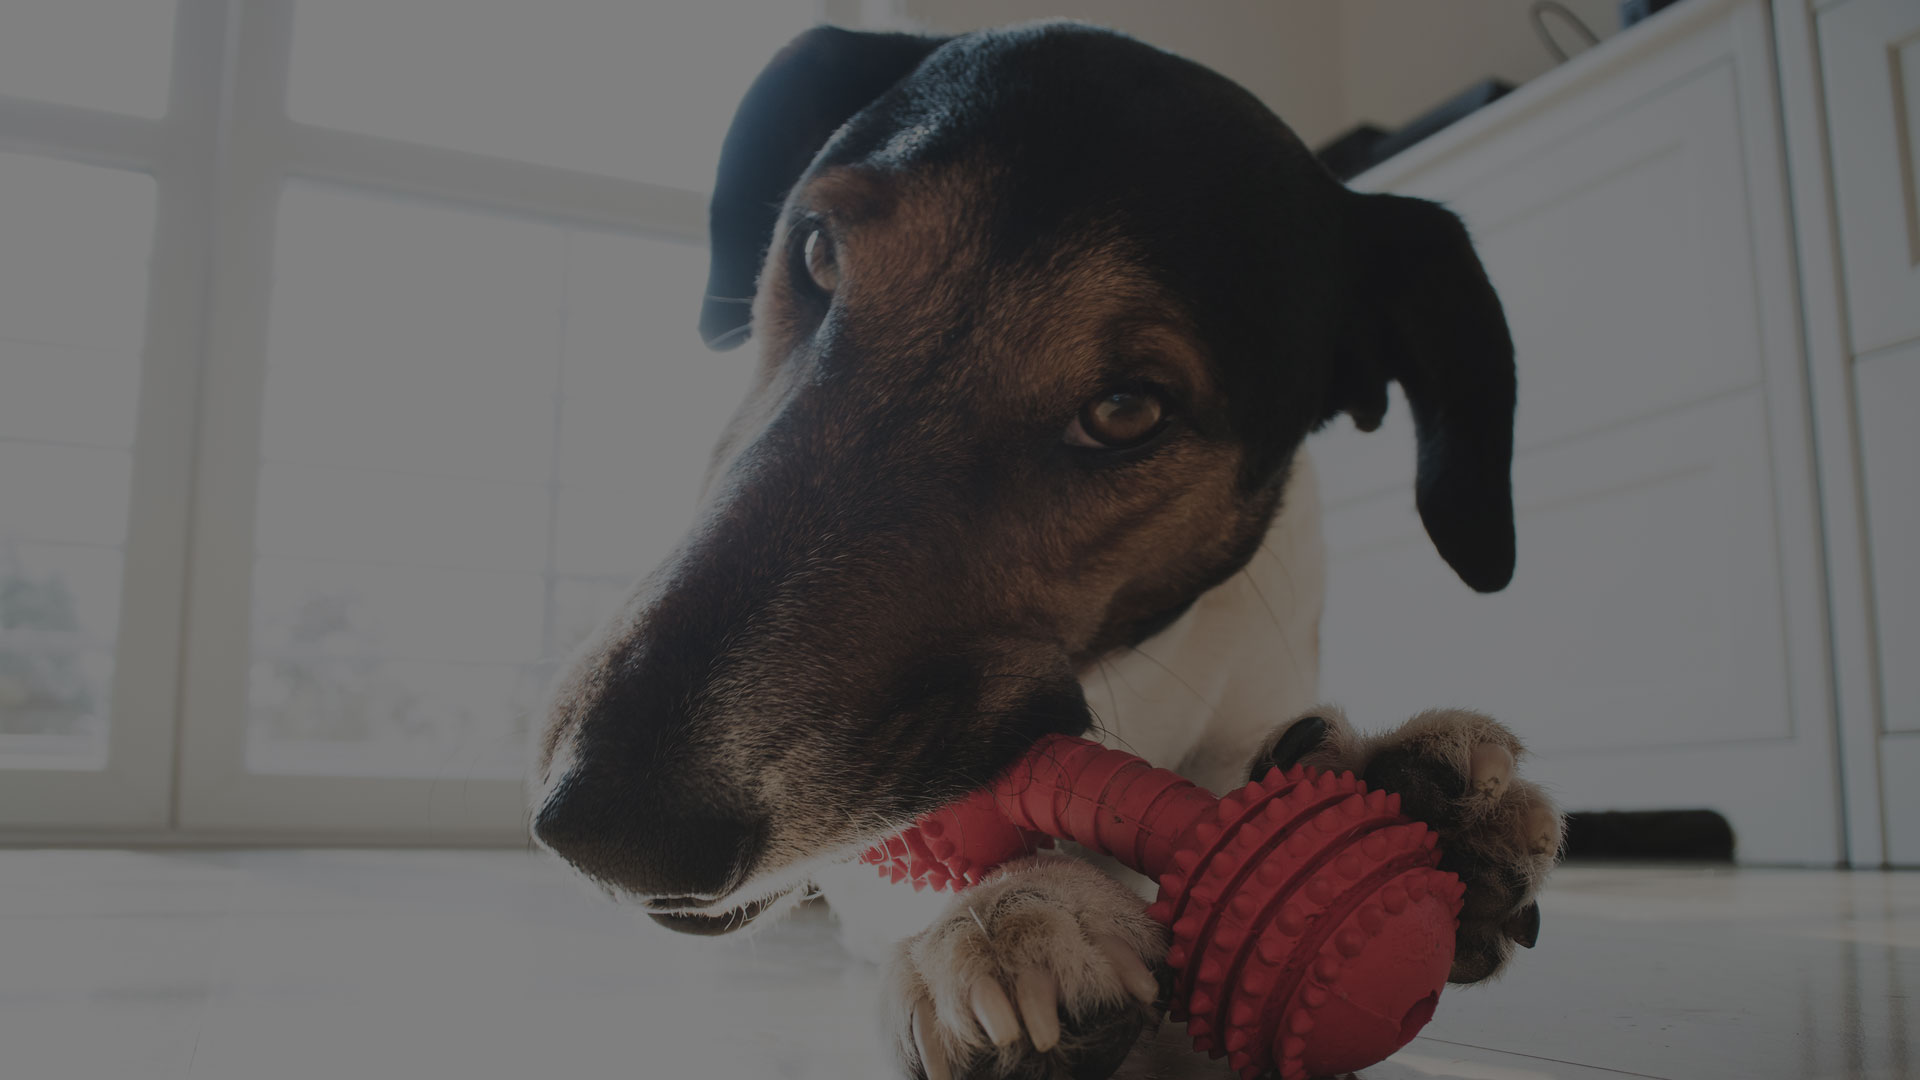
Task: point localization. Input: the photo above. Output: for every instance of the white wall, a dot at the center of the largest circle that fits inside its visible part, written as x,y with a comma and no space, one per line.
1323,65
1398,58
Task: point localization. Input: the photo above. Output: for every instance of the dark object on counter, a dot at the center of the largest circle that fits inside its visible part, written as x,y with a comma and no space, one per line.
1639,835
1364,147
1351,154
1632,11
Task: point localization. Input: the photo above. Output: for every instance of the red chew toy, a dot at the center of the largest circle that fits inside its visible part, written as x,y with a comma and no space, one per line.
1311,931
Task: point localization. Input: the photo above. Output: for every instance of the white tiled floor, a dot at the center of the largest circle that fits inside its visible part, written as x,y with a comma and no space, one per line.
262,965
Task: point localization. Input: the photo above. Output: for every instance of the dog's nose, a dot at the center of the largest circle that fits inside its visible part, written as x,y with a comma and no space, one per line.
689,854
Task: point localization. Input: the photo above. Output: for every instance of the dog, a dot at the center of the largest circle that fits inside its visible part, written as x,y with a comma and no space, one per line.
1044,316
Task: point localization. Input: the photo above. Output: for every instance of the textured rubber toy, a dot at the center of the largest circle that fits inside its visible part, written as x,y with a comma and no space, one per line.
1311,931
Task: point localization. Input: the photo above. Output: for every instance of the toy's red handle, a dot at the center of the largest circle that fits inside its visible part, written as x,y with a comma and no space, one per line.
1311,932
1106,800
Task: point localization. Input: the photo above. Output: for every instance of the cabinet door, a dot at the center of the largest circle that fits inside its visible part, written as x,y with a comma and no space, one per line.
1661,643
1870,59
1870,53
1888,385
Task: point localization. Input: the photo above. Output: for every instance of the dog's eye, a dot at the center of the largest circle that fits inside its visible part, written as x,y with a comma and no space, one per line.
1118,420
822,261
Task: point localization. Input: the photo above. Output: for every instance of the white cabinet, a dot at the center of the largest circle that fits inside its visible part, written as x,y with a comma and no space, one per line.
1870,61
1662,643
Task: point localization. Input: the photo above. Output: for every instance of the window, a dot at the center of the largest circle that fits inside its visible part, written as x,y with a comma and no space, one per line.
73,284
474,432
348,376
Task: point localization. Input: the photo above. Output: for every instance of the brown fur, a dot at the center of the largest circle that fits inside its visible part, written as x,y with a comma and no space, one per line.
904,564
1045,593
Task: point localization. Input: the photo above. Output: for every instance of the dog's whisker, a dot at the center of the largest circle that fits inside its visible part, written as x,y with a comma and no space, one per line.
1197,695
738,333
1286,640
1107,680
1254,584
1109,735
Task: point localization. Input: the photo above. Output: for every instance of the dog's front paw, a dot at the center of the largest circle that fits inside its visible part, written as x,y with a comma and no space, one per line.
1045,970
1457,771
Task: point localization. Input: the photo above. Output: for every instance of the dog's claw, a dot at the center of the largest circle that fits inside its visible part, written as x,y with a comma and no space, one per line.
1543,826
1524,926
1297,741
933,1059
1490,768
1039,1007
1132,971
1031,973
995,1013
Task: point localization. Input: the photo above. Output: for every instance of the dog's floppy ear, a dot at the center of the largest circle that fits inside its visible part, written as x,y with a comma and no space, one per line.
807,91
1429,319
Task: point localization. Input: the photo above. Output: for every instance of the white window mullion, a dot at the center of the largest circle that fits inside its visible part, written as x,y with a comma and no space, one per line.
87,136
485,182
216,791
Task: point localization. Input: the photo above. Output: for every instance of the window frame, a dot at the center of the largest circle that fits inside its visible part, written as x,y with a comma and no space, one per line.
223,154
266,150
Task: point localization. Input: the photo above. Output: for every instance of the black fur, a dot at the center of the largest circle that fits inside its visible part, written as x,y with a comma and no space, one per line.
904,564
1312,297
834,586
825,76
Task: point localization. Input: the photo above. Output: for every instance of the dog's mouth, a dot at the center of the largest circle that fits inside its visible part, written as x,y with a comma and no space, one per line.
707,924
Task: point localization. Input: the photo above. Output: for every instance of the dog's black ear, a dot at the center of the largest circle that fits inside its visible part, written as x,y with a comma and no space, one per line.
807,91
1430,320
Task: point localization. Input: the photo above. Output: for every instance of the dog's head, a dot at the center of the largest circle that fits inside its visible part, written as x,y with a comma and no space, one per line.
1042,316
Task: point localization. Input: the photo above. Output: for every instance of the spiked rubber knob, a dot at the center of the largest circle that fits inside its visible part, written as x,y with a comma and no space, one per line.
1311,932
1311,929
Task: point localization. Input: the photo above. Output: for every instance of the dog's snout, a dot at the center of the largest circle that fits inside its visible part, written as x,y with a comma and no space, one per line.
683,855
